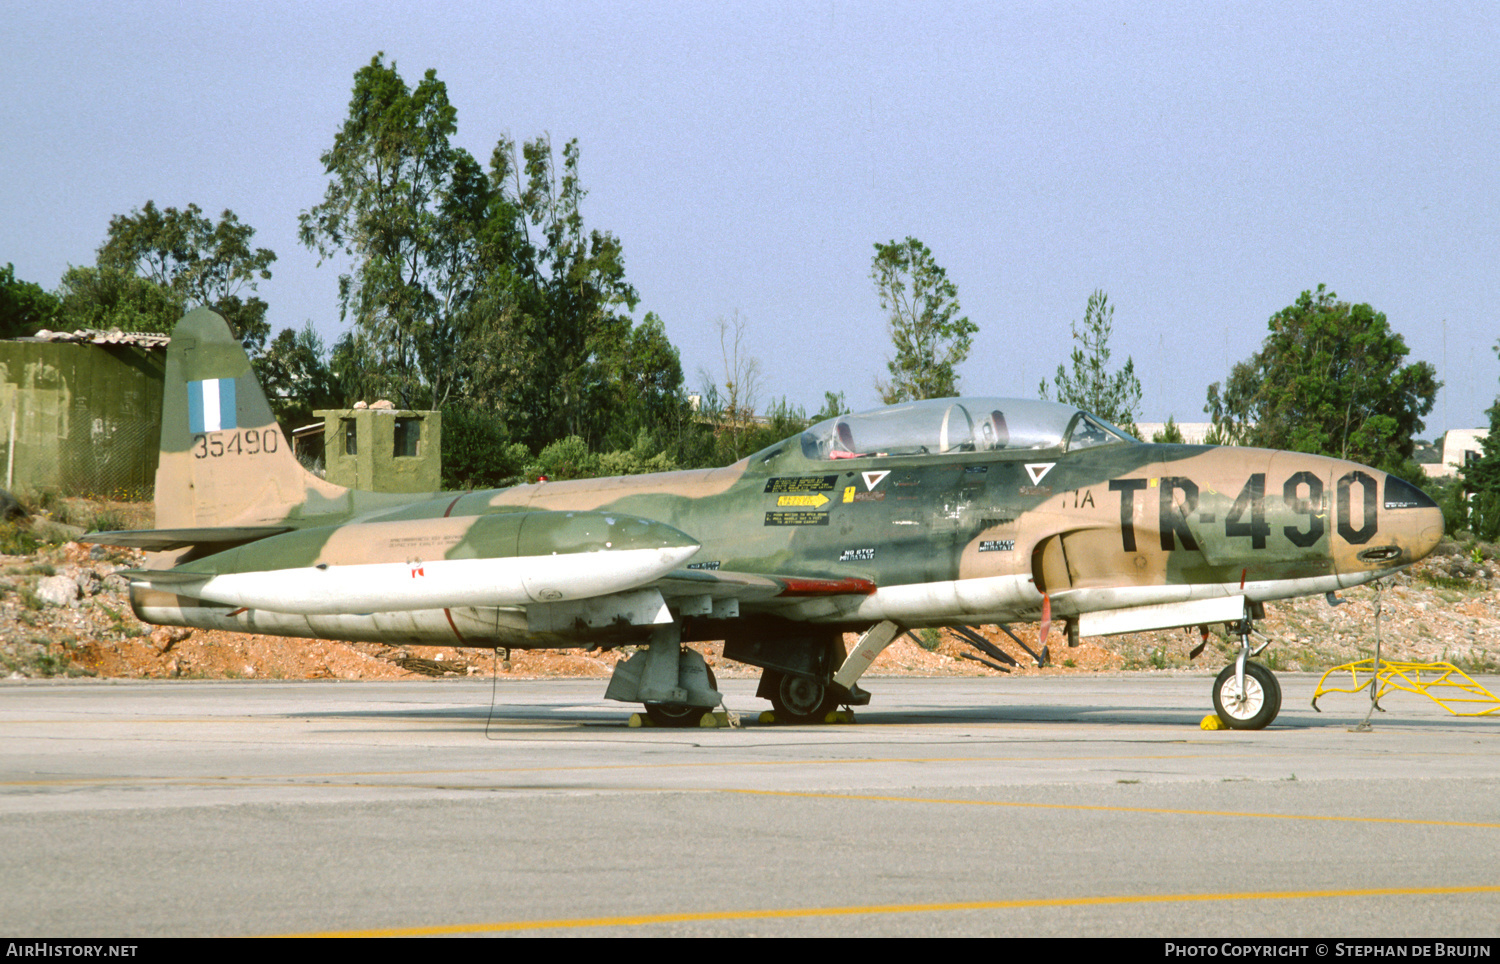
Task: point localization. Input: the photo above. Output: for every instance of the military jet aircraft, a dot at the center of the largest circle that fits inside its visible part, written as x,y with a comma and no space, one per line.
945,512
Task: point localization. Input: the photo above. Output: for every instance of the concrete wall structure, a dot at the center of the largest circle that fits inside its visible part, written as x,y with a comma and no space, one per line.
80,418
383,449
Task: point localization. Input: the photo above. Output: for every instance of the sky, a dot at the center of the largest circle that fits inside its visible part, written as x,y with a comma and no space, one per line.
1200,163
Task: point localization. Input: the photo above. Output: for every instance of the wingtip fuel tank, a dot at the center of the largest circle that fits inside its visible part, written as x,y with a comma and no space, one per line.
505,559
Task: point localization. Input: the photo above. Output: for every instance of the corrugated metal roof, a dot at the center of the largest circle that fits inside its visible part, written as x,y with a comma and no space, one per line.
93,336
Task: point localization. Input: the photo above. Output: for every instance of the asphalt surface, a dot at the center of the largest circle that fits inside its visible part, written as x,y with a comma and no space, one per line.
1091,806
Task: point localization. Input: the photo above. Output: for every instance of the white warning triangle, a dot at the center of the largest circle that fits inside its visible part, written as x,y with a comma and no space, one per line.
872,479
1037,470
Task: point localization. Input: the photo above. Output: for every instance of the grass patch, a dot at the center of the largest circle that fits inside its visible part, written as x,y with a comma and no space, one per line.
1479,663
17,540
31,600
1439,581
38,658
107,520
128,628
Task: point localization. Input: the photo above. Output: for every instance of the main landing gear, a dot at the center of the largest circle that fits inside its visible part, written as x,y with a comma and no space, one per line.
673,682
798,699
1247,695
680,714
807,672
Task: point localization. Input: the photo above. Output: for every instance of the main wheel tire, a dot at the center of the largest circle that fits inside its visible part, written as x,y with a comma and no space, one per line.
674,714
1256,707
798,699
681,714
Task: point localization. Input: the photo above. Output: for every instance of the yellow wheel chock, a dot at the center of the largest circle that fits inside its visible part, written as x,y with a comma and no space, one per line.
1456,687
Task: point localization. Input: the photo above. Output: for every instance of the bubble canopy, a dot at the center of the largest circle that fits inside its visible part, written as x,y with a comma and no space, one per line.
939,426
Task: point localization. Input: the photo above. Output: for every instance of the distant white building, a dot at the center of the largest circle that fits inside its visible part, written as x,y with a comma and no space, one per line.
1460,446
1193,433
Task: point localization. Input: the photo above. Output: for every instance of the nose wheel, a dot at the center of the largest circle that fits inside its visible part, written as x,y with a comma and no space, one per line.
1247,695
1249,707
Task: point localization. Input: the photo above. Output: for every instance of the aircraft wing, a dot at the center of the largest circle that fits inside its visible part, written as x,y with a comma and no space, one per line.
713,593
753,587
719,593
564,568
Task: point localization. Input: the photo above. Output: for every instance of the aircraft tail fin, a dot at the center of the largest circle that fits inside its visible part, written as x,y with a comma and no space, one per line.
224,460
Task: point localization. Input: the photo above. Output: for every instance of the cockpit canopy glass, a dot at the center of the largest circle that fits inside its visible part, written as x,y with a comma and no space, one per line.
940,426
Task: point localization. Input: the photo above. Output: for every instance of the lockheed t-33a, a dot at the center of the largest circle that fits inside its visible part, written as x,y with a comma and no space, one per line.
945,512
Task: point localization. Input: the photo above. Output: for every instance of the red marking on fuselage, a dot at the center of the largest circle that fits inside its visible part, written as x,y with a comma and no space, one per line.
451,625
827,587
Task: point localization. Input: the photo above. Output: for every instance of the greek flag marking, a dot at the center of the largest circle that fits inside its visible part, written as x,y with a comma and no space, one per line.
211,406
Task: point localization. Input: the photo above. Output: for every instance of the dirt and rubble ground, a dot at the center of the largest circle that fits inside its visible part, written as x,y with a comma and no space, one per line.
64,612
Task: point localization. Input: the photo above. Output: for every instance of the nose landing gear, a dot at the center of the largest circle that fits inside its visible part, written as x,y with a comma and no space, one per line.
1246,695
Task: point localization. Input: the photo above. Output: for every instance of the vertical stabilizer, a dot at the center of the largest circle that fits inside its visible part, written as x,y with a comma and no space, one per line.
224,461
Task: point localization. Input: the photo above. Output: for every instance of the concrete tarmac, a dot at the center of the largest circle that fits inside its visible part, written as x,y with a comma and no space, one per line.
1088,806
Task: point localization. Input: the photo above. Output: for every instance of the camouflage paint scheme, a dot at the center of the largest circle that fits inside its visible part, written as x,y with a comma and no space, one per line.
782,539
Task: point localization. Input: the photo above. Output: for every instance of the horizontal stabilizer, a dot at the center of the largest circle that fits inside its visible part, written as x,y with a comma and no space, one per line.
166,540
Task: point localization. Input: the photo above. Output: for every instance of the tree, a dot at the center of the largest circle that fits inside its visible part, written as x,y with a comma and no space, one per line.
562,298
931,341
1170,434
1481,479
472,286
297,377
396,192
732,409
647,373
477,450
1330,378
1113,396
833,406
109,297
201,263
25,308
741,370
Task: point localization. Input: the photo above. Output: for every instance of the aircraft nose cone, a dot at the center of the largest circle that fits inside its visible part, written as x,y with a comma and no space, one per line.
1414,521
1430,534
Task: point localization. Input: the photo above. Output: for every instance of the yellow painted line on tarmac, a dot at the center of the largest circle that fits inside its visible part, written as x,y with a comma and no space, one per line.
341,781
1019,805
793,913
